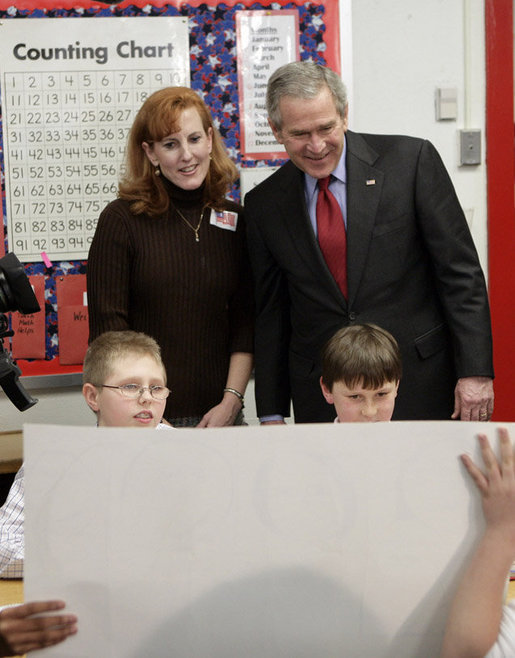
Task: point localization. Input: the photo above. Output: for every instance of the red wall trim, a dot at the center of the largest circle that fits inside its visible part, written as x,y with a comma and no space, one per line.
500,198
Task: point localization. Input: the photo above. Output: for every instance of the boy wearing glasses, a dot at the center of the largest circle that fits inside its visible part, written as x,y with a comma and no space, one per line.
124,380
124,383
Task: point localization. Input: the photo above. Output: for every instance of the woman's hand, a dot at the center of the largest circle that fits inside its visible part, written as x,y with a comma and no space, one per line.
223,414
240,367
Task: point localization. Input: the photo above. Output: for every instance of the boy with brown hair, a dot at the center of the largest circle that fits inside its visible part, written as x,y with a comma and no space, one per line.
361,372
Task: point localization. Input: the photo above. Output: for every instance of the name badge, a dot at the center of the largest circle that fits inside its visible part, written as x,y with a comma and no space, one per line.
225,219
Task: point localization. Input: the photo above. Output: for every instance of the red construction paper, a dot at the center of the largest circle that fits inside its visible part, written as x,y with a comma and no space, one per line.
73,334
72,318
28,341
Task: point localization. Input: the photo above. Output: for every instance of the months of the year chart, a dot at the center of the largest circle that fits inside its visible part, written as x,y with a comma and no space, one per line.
64,139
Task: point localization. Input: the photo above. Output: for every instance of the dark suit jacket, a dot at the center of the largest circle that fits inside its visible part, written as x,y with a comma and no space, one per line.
412,269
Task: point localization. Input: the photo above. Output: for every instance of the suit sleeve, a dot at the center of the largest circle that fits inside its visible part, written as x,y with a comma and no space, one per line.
272,330
108,275
458,274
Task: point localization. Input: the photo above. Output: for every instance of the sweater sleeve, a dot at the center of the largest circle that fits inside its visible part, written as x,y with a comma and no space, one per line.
108,273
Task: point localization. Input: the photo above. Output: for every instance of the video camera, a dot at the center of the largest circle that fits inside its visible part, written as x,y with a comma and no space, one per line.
16,294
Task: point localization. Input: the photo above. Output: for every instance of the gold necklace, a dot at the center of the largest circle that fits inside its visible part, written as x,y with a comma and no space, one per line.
195,230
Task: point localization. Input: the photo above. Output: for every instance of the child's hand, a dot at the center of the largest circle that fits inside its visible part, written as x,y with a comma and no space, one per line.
496,485
20,631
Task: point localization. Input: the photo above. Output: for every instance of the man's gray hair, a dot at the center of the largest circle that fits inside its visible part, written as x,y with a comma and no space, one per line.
302,80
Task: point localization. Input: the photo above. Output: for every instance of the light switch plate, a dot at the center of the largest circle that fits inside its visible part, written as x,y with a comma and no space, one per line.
446,103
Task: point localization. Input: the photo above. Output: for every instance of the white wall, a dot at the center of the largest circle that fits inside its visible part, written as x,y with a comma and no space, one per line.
395,53
55,405
67,406
401,52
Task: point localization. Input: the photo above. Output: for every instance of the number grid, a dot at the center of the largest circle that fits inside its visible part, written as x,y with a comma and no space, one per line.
64,142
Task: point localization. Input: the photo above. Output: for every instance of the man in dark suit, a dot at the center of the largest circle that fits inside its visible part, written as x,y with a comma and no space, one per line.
409,262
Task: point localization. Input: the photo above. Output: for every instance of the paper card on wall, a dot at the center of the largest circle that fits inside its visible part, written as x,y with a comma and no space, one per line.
28,341
73,334
265,40
250,177
295,540
70,290
72,318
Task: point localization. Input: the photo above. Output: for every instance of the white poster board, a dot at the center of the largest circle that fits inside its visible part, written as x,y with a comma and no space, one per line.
298,540
70,91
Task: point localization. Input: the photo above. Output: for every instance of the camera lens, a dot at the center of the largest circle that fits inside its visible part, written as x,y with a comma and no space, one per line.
16,293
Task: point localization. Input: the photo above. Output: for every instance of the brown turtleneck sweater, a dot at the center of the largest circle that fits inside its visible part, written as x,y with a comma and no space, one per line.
195,298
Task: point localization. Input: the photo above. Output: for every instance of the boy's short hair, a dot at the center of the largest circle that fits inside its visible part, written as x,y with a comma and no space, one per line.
361,353
112,345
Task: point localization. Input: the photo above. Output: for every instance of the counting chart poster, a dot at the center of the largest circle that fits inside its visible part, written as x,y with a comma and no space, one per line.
69,90
69,99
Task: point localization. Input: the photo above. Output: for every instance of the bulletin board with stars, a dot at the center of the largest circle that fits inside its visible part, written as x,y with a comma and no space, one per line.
53,342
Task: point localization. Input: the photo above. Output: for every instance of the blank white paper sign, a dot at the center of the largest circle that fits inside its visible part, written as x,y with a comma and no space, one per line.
305,541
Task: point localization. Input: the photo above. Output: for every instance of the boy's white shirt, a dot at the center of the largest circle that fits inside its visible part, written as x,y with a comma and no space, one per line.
504,646
11,530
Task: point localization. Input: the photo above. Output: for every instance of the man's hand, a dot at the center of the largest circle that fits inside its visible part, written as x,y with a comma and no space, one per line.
473,398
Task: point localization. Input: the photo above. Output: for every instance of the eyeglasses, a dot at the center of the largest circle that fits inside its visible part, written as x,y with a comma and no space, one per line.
134,391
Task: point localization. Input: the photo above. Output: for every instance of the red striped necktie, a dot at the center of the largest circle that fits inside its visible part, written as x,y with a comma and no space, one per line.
332,237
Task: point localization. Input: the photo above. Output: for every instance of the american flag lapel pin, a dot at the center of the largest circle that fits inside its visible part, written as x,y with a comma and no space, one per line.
371,181
224,219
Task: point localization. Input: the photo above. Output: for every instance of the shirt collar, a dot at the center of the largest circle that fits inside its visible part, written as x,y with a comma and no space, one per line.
340,173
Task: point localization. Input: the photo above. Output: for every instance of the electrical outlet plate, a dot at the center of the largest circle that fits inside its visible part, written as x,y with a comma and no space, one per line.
470,147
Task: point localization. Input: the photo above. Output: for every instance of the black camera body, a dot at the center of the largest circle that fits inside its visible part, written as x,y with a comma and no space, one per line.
16,294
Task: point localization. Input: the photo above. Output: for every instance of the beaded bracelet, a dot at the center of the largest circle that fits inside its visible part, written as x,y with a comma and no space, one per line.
237,394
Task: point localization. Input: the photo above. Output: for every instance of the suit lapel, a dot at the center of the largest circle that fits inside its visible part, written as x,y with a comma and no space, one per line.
293,207
364,185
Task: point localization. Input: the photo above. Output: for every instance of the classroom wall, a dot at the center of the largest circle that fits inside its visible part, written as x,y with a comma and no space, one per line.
395,53
402,51
67,406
